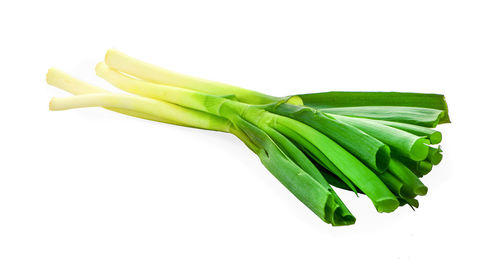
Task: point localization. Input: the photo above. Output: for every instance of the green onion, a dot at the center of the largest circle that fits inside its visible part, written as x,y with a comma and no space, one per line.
374,143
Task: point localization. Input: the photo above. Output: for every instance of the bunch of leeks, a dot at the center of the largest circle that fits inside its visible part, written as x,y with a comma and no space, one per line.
375,143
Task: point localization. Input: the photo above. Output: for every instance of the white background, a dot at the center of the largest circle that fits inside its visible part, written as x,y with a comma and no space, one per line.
92,187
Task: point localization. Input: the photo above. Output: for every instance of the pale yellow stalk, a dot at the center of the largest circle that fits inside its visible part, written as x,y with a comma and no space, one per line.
140,69
130,104
171,112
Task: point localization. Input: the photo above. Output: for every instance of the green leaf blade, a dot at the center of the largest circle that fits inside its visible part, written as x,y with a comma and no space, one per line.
348,99
369,150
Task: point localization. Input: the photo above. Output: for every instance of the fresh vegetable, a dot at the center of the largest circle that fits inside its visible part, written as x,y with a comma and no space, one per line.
372,143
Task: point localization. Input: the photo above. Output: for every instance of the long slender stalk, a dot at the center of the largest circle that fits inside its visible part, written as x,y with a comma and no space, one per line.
149,72
179,96
163,110
62,80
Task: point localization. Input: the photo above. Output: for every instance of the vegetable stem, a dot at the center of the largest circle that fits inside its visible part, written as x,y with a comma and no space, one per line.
124,63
